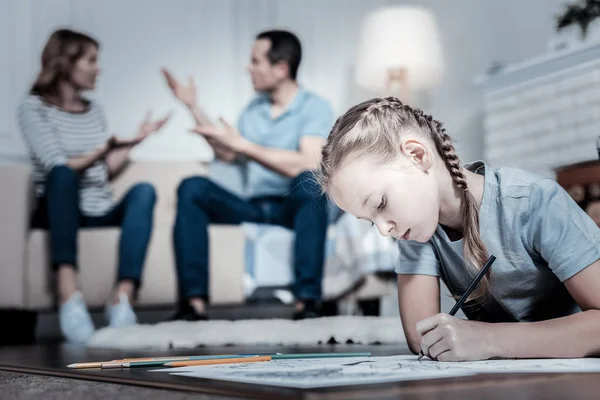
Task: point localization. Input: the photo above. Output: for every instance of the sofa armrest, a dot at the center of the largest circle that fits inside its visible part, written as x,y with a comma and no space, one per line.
15,207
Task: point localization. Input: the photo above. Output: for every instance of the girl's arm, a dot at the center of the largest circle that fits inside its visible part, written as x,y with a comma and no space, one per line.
564,235
576,335
447,338
568,240
418,298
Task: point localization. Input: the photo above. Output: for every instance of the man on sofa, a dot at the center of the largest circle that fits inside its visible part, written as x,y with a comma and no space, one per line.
278,141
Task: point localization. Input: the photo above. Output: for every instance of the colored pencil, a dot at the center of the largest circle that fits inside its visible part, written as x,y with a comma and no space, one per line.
118,363
274,356
468,292
193,363
160,363
85,365
318,355
98,364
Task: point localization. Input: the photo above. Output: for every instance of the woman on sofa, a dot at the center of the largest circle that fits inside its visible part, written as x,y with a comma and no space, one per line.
74,159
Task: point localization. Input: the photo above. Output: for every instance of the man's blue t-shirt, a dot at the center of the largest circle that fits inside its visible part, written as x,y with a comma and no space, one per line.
307,115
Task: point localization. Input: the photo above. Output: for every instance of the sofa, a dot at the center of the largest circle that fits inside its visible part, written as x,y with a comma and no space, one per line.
26,282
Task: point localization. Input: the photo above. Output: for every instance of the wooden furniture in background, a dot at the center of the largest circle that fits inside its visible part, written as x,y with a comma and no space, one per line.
582,182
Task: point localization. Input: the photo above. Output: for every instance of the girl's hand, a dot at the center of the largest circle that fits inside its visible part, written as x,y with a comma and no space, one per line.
447,338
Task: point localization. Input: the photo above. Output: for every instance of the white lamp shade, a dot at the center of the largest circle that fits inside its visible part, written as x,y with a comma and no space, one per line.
394,37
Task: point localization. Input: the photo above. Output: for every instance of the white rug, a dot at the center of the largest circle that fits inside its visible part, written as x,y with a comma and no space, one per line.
181,334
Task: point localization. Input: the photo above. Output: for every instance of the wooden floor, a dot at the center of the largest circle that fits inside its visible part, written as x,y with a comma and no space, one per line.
52,359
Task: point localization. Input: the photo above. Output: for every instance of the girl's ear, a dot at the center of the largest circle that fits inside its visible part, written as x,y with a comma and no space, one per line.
418,153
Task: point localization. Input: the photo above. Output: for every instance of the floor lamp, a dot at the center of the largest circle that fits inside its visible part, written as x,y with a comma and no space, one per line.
399,52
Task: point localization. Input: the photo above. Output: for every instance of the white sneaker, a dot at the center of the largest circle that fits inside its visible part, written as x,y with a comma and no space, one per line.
75,320
121,314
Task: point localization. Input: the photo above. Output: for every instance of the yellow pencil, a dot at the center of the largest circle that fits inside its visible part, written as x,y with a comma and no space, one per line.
192,363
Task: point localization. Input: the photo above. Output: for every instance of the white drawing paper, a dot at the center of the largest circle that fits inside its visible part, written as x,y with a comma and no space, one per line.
326,372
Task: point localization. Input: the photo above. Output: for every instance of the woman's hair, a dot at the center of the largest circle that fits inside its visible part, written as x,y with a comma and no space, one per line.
61,52
376,127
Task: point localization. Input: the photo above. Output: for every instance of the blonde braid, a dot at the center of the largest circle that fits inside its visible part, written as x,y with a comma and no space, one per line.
474,249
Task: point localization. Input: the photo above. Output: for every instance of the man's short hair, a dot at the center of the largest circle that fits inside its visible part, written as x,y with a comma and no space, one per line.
285,46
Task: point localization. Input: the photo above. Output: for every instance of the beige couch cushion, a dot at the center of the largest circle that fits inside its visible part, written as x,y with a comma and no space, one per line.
97,261
98,267
165,176
98,249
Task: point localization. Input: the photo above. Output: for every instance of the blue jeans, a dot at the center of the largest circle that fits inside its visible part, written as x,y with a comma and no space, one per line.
200,202
58,211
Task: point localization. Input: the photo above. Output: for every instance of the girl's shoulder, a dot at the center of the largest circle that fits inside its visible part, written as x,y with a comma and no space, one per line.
528,191
516,176
518,182
508,182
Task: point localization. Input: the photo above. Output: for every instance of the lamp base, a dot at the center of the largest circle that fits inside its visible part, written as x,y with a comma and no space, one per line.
397,84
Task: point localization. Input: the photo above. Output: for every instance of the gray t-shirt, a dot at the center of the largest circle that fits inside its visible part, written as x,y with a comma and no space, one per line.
539,235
